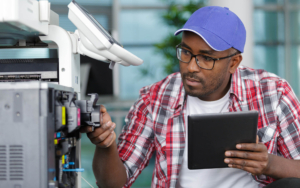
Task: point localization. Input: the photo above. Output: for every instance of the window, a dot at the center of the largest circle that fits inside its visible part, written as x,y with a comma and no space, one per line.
139,31
277,39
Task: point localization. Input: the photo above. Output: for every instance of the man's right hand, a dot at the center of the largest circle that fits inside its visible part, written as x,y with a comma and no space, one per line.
104,135
106,163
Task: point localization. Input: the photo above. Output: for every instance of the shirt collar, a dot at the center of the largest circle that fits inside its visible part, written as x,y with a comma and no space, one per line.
180,97
236,85
235,88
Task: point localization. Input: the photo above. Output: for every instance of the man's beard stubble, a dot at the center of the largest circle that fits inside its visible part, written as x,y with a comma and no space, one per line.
205,91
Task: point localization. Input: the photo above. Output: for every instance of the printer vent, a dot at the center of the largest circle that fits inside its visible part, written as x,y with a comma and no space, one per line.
16,60
16,162
3,171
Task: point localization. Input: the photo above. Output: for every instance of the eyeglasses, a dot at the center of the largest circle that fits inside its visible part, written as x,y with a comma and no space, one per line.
203,61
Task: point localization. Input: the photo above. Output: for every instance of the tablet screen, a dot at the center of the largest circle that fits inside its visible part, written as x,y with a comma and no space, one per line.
210,135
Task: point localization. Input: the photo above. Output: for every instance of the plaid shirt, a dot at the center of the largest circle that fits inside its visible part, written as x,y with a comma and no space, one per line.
156,123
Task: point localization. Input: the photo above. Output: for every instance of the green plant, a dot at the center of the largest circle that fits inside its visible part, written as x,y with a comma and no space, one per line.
175,17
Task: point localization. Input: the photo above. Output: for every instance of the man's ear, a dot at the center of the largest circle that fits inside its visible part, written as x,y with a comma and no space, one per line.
235,62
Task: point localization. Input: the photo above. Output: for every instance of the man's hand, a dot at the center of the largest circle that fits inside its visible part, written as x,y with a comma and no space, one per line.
253,158
104,135
106,163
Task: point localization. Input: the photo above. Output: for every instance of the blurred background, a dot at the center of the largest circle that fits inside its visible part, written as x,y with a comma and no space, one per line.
146,29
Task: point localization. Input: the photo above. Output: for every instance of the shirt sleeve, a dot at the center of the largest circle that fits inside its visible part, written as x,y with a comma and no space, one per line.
135,144
288,113
288,127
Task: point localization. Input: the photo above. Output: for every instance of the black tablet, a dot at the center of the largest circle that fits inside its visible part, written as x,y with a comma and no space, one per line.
210,135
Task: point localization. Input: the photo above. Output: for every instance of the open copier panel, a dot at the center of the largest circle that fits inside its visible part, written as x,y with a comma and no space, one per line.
40,109
39,135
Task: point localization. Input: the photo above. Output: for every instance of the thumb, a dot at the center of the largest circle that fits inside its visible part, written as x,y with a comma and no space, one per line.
102,109
104,116
257,139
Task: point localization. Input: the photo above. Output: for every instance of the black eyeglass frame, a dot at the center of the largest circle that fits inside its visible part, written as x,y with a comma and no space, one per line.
192,55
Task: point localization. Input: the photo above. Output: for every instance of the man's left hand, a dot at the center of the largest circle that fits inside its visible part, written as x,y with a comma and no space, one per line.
253,158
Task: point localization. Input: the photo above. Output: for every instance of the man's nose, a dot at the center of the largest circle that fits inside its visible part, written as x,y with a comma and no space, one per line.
193,66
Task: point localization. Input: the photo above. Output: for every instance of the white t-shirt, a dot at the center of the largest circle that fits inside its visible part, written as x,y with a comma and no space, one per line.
211,178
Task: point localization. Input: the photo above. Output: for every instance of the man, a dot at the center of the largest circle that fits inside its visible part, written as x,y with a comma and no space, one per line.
209,81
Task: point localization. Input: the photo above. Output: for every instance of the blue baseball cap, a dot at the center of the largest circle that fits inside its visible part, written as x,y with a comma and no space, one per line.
220,28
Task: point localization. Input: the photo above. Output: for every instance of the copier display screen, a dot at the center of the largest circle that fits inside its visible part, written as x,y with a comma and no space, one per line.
96,23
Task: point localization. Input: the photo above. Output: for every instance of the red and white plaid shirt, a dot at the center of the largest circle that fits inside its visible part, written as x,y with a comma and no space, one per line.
156,123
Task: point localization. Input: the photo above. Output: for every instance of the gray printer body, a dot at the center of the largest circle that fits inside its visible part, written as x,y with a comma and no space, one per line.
28,156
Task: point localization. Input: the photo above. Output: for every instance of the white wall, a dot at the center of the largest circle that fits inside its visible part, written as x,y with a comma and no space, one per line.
244,10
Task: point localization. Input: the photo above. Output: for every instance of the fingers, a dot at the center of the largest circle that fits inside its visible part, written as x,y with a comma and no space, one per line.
86,129
108,141
104,118
248,155
102,138
243,163
97,138
107,127
253,158
104,135
254,167
252,147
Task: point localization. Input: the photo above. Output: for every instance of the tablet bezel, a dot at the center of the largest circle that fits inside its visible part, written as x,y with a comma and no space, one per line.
210,135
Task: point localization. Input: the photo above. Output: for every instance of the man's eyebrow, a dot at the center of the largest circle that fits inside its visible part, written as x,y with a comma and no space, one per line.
185,45
209,52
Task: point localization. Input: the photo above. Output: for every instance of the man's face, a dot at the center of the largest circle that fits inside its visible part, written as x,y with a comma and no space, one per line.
208,85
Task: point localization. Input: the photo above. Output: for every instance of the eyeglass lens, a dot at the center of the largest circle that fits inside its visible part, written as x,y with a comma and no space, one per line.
202,61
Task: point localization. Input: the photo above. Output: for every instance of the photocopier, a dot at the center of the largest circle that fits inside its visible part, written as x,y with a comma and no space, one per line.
40,107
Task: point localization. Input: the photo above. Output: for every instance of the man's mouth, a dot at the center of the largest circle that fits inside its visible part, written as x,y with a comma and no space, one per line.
192,82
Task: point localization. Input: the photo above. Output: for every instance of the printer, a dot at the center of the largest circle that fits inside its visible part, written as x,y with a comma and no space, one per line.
40,107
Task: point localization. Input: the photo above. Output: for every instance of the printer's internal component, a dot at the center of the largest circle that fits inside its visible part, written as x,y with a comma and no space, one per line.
19,77
20,70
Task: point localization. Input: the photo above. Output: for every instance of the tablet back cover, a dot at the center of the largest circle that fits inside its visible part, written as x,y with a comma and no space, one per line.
210,135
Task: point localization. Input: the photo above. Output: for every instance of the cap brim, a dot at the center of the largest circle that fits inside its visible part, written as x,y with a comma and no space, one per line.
215,42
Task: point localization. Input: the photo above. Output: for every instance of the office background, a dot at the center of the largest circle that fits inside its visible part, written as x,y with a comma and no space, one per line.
274,45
